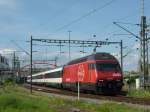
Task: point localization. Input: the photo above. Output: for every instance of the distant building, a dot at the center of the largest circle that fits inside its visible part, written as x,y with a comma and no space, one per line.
4,65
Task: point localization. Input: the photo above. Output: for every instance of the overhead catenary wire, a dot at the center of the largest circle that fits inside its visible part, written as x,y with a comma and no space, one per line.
128,16
85,15
20,47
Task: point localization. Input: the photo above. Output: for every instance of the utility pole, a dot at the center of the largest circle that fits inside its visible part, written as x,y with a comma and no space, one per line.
121,54
147,66
144,46
144,49
31,64
69,45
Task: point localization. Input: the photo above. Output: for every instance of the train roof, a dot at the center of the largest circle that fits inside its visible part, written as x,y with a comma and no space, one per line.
95,56
48,71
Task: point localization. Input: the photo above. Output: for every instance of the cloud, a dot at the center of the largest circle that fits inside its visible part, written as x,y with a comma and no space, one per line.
6,51
9,53
131,62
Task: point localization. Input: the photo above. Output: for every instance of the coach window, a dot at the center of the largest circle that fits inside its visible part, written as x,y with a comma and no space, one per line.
56,74
47,75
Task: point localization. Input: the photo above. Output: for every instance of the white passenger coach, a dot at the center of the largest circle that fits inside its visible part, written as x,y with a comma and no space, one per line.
49,77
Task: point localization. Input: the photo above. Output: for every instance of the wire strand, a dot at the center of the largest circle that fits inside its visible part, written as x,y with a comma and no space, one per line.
85,15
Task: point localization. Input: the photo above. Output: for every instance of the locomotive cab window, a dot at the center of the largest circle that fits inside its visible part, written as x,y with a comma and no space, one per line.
108,67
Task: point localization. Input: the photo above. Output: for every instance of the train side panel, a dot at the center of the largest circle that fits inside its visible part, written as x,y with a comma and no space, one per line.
79,72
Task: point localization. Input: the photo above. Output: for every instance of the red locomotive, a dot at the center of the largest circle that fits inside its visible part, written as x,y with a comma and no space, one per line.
96,72
99,72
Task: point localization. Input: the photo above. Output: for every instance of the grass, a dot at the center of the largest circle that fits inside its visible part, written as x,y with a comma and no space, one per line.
18,99
139,93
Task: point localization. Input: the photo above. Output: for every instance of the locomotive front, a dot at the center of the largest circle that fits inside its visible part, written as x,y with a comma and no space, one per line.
109,77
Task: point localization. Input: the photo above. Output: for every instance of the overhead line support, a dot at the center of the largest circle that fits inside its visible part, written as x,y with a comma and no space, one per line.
76,41
83,42
127,30
144,48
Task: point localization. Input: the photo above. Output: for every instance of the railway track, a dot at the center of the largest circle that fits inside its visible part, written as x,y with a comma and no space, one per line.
118,98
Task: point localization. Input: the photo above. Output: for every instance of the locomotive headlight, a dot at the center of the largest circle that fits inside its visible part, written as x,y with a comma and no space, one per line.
116,74
101,80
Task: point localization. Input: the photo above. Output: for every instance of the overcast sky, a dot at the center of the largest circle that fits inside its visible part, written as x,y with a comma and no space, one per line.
19,19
